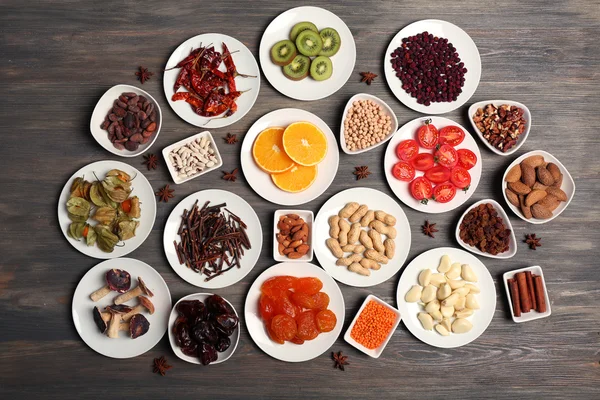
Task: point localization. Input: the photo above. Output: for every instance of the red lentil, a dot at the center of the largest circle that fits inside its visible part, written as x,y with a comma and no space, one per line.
373,325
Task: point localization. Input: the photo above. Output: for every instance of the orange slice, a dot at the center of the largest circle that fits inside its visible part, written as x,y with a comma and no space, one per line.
268,152
297,179
305,143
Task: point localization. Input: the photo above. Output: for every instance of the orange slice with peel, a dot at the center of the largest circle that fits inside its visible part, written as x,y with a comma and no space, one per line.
296,179
305,143
268,152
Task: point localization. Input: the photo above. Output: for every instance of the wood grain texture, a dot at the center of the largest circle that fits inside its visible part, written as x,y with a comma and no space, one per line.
59,57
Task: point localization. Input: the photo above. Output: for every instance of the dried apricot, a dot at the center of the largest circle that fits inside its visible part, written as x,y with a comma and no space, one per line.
326,320
306,325
283,305
321,301
273,285
304,300
273,336
296,340
266,306
284,327
308,285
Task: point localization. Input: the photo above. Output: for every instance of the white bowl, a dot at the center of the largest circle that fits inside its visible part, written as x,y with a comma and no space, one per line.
512,245
224,356
568,186
531,315
102,108
308,217
497,103
185,141
386,108
375,353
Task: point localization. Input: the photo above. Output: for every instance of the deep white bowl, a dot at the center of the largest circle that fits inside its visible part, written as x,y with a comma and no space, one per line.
531,315
185,141
308,217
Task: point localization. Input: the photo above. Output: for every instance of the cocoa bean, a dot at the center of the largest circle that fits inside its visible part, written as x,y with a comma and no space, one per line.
120,111
119,146
149,108
121,104
129,94
111,128
136,138
142,99
105,124
145,122
151,127
152,116
124,99
119,132
133,109
133,101
131,146
145,133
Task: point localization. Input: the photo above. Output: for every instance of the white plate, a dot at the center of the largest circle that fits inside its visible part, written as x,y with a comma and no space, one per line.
288,351
244,62
531,315
497,103
307,89
236,205
124,346
308,217
186,141
467,51
141,188
568,186
402,190
387,109
261,182
376,200
105,104
512,244
224,356
480,319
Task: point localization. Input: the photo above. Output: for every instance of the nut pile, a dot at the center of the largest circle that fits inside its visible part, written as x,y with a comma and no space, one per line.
501,126
367,249
533,186
366,124
484,229
192,158
130,122
292,238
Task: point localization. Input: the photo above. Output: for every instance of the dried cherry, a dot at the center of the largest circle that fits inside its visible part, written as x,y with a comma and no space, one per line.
325,320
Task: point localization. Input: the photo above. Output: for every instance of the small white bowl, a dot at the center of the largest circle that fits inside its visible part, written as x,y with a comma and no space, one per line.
224,356
102,108
185,141
386,108
375,353
568,186
497,103
531,315
308,217
512,245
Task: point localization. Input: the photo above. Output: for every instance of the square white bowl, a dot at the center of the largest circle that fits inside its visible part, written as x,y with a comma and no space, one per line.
497,103
531,315
388,110
375,353
185,141
309,218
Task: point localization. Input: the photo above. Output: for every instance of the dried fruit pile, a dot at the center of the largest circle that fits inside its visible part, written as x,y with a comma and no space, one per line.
484,229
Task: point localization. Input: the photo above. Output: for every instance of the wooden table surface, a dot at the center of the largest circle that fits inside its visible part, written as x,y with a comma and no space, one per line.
59,57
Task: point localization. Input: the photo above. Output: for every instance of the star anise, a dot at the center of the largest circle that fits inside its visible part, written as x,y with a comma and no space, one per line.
230,139
361,172
368,77
165,194
533,241
143,74
429,229
161,366
151,161
230,176
339,360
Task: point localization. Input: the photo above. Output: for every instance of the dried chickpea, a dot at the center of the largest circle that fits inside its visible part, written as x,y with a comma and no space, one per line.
366,124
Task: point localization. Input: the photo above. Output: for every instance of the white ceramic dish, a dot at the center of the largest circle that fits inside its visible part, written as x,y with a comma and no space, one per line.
531,315
261,181
467,51
512,245
307,89
244,62
288,351
376,200
102,108
375,353
480,319
308,217
183,142
222,357
239,207
402,190
568,186
141,188
387,109
123,346
497,103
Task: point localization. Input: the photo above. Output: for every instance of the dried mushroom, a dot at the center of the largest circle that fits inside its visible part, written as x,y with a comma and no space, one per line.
145,303
115,320
117,280
138,326
100,320
139,290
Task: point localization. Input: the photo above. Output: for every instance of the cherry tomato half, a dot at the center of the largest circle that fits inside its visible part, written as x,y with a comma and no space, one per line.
428,135
460,177
451,135
407,149
466,158
444,192
403,171
420,189
438,174
446,155
422,161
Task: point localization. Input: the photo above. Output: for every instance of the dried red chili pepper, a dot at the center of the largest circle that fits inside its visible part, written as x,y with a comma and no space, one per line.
181,79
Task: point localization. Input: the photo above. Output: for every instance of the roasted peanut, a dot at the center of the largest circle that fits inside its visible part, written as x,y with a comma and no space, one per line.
376,256
385,218
335,248
359,269
348,210
367,263
368,217
376,239
295,244
344,229
365,240
334,227
354,233
349,260
380,227
280,248
359,213
354,248
390,248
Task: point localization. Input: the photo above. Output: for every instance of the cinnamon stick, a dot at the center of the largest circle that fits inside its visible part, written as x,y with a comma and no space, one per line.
538,284
529,278
524,298
514,297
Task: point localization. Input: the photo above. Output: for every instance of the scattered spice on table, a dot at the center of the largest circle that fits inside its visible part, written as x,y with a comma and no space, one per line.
143,74
340,360
165,194
161,366
533,241
361,172
230,176
373,325
368,77
151,161
429,229
231,139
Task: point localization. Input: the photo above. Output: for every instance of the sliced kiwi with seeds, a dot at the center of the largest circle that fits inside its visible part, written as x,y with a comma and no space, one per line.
321,68
309,43
331,42
298,68
283,52
302,26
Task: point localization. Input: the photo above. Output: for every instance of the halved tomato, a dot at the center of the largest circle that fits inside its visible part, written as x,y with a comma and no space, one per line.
422,161
460,177
451,135
444,192
446,155
420,189
403,171
438,174
407,149
466,158
428,135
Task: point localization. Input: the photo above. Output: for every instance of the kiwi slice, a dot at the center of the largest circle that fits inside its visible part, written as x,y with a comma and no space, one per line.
302,26
321,68
331,42
283,52
298,68
309,43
